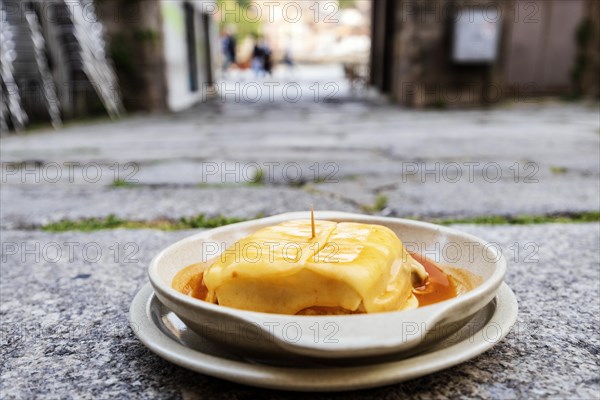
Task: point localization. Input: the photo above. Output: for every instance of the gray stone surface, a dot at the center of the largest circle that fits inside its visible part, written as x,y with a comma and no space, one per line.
464,198
551,134
65,331
348,151
26,206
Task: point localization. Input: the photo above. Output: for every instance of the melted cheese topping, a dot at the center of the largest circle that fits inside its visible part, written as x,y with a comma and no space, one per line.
281,269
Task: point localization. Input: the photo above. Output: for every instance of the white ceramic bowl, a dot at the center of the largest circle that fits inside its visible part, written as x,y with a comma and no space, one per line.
345,336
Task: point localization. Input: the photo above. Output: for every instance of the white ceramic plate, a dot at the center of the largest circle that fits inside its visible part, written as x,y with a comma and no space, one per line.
336,336
166,335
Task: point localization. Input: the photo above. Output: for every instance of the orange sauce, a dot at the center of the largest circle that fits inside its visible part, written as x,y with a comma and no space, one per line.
190,281
438,287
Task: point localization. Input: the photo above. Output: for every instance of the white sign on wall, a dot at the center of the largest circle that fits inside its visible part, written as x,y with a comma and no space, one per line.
476,36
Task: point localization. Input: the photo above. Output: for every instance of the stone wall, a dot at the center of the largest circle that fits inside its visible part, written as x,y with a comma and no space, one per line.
424,73
135,42
590,37
543,49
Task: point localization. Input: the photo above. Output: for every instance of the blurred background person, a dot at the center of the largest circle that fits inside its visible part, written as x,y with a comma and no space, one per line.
228,47
268,58
257,58
262,63
287,58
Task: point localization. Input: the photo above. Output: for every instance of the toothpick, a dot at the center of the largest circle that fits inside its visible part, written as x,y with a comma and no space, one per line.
312,221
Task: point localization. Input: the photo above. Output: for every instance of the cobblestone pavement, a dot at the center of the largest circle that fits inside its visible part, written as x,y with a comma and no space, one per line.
353,152
538,158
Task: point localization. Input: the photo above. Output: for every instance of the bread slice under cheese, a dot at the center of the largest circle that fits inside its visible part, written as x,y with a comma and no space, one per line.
281,269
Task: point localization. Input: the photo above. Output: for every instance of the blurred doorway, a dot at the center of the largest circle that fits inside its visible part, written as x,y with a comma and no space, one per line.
542,46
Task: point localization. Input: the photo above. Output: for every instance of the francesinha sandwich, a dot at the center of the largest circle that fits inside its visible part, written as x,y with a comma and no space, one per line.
323,268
